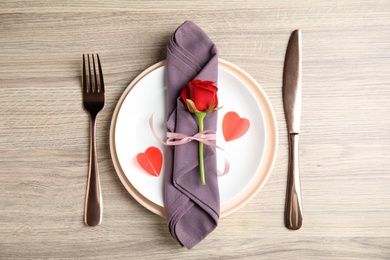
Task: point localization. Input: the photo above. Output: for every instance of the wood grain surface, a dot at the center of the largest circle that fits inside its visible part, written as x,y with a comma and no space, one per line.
345,131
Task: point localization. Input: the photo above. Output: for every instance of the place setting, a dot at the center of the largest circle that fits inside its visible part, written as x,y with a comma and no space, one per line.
195,129
193,138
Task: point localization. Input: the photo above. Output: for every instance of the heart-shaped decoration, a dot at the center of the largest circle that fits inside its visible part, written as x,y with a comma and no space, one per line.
234,126
151,161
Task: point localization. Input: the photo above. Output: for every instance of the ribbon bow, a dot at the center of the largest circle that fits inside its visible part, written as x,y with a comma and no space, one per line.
178,139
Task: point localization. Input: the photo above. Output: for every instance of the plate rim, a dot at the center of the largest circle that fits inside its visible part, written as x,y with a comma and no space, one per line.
270,152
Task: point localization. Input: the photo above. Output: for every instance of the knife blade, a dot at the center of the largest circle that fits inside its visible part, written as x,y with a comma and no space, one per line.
292,92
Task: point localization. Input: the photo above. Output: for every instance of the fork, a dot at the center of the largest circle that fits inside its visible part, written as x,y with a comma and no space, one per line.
93,102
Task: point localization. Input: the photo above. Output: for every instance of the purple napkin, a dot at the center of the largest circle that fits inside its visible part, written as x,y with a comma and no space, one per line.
192,209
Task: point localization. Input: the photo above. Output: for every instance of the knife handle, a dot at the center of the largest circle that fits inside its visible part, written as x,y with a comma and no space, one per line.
293,210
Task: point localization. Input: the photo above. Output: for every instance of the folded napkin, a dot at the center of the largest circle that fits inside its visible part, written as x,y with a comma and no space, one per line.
192,209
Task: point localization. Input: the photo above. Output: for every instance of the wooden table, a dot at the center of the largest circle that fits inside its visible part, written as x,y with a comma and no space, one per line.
345,132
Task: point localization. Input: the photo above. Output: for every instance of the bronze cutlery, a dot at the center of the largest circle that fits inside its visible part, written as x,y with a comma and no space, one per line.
93,102
292,90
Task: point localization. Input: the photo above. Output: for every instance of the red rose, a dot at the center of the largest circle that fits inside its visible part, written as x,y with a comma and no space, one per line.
202,93
200,98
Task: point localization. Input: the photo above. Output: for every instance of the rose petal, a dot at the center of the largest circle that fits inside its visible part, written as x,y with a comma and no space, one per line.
185,93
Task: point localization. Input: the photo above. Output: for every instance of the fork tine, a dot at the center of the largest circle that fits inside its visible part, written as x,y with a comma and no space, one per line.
95,85
84,77
90,86
100,74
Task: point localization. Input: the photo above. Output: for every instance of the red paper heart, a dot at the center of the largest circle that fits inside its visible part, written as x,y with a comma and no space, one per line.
234,126
151,161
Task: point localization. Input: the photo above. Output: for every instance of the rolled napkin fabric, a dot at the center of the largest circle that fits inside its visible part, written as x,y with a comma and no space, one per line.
192,209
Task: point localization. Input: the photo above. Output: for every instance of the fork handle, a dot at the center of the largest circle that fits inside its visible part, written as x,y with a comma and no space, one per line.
93,212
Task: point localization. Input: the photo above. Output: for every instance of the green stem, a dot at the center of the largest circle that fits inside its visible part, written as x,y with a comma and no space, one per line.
201,116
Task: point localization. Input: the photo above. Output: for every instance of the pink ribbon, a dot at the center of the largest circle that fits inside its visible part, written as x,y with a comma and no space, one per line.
205,137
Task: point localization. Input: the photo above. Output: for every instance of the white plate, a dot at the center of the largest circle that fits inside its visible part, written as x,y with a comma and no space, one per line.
251,156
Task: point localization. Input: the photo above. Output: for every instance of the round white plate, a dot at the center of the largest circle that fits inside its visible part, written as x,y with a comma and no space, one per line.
251,156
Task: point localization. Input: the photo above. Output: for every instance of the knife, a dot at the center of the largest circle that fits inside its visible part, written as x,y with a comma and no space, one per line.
292,90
